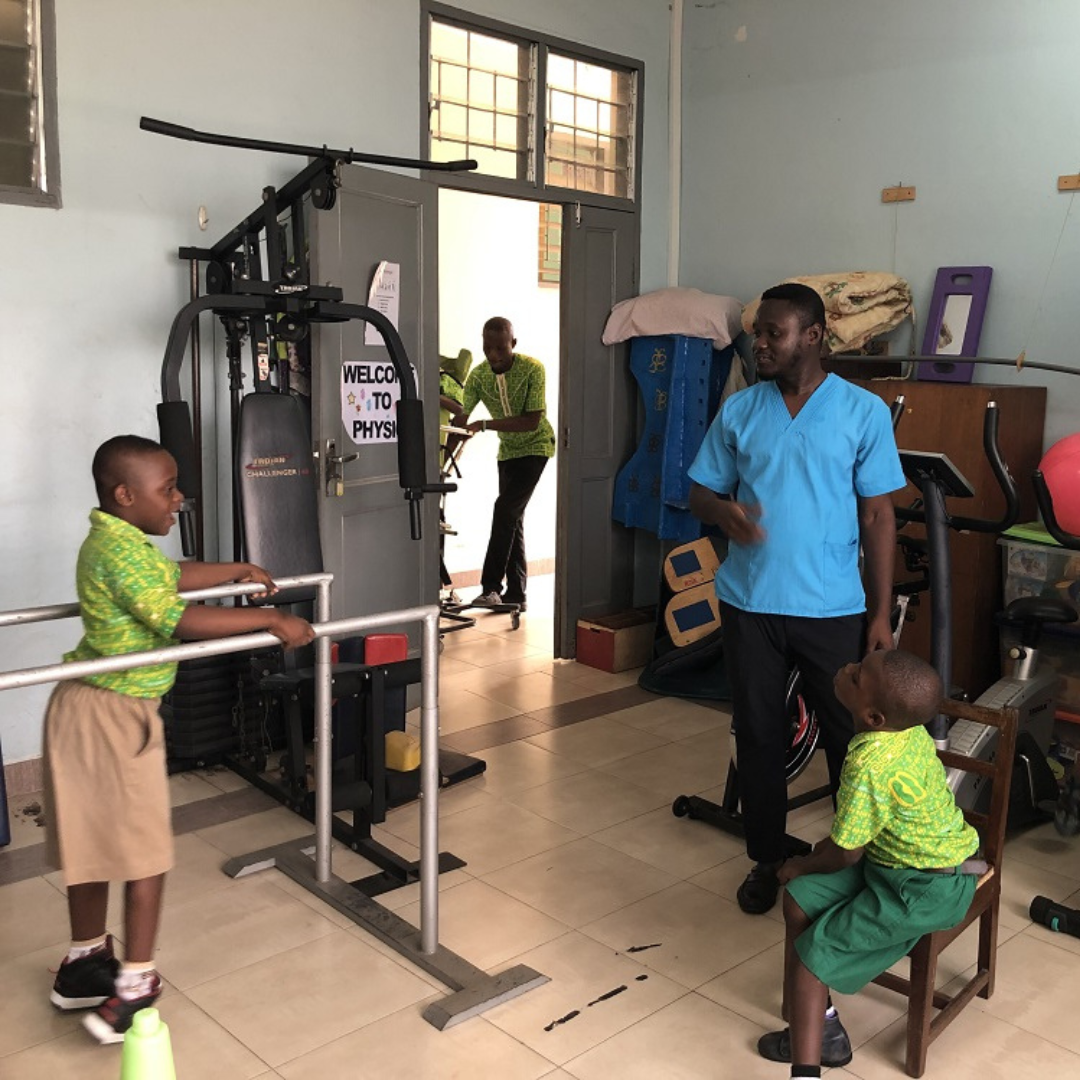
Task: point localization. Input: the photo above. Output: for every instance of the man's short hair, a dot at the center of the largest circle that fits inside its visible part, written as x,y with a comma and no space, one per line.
498,324
109,467
806,301
913,690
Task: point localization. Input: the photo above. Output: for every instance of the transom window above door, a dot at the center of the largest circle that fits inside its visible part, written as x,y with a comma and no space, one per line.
534,112
481,102
590,126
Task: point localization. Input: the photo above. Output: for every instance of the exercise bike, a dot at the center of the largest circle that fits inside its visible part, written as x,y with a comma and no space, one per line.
936,478
1034,787
1034,791
1043,910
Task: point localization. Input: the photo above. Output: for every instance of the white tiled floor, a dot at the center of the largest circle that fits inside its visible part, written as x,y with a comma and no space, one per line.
573,859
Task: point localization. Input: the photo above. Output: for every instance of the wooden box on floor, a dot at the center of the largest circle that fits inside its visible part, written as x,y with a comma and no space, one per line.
616,642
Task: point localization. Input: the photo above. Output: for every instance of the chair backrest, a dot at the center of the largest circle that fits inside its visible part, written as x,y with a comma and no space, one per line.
991,825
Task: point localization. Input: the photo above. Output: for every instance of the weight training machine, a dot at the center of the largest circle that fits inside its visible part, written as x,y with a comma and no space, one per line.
258,285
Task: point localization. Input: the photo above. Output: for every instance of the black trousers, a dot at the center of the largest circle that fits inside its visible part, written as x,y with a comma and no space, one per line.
759,651
505,558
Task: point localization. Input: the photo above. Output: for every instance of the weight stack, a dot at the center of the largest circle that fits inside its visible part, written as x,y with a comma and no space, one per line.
214,709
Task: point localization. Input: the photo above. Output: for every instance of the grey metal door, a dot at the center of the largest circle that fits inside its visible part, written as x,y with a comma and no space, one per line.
597,419
378,217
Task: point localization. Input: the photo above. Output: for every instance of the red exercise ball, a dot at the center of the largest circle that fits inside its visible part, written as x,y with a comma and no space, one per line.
1060,467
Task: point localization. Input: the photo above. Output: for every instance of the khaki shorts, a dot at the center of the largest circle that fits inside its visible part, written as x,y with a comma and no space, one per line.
106,786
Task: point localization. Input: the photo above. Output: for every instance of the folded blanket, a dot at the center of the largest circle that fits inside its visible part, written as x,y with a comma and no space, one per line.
689,312
859,305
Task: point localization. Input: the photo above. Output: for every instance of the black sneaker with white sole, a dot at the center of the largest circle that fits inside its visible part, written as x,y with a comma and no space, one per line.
109,1022
87,982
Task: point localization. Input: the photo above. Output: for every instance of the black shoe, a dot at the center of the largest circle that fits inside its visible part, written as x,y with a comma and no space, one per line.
109,1023
757,894
87,982
835,1045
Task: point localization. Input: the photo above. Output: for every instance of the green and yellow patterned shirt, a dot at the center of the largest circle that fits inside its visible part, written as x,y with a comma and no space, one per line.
895,802
129,603
520,390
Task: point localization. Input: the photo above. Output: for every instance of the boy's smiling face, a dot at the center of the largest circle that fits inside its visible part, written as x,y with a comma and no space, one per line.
148,497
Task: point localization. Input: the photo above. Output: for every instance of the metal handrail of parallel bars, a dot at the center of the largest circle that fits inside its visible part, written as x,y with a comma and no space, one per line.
325,630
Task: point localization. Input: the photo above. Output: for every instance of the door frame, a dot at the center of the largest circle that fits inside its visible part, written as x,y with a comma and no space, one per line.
563,637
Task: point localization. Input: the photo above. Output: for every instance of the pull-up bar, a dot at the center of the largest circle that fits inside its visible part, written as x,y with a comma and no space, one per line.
347,157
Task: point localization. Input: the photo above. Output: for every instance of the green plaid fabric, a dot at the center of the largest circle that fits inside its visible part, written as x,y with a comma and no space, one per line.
129,603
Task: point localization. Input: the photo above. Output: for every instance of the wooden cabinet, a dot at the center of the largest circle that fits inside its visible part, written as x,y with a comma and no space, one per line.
948,418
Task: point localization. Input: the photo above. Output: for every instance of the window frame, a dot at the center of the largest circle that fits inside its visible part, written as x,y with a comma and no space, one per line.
536,188
47,119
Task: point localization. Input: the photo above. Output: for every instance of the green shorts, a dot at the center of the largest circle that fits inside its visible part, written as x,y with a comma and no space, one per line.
866,917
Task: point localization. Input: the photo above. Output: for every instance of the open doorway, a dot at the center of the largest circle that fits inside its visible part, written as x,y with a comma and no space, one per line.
500,256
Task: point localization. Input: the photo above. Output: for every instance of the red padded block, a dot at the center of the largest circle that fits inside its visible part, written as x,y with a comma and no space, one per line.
385,648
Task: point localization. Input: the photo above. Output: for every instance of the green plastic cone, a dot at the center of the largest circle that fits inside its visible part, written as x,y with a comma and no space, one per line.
147,1050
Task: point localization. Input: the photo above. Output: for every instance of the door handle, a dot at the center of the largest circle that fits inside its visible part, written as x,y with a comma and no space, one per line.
332,461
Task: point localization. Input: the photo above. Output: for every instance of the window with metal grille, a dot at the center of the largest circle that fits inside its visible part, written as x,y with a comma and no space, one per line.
29,164
589,141
538,113
481,101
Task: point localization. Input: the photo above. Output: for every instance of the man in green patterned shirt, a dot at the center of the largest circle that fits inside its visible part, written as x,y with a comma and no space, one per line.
511,388
106,786
896,865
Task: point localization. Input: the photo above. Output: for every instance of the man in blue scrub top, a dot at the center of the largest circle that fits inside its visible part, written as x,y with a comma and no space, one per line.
796,470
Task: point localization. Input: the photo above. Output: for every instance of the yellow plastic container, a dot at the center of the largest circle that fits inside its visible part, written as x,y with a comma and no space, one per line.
402,751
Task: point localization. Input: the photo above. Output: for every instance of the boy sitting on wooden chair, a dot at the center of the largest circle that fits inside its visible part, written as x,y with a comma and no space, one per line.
896,865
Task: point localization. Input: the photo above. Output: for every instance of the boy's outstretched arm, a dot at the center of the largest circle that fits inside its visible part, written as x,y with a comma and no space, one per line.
826,858
200,622
204,575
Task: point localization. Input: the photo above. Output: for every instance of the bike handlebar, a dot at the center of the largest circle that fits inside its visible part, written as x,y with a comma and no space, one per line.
1046,508
1004,479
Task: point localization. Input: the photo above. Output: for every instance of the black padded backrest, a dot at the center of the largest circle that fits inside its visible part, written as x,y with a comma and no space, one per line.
275,482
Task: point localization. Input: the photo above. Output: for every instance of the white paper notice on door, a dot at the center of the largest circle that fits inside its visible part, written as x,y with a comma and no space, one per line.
384,298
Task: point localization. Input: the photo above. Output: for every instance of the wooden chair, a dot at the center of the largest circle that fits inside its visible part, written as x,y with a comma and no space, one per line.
923,1026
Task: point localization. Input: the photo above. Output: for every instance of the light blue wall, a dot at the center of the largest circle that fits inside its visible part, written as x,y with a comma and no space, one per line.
797,114
89,291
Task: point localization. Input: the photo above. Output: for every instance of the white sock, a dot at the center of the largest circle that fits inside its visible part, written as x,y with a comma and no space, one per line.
79,949
830,1013
134,980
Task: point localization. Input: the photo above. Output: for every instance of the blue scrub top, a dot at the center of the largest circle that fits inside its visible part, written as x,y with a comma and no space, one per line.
806,474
